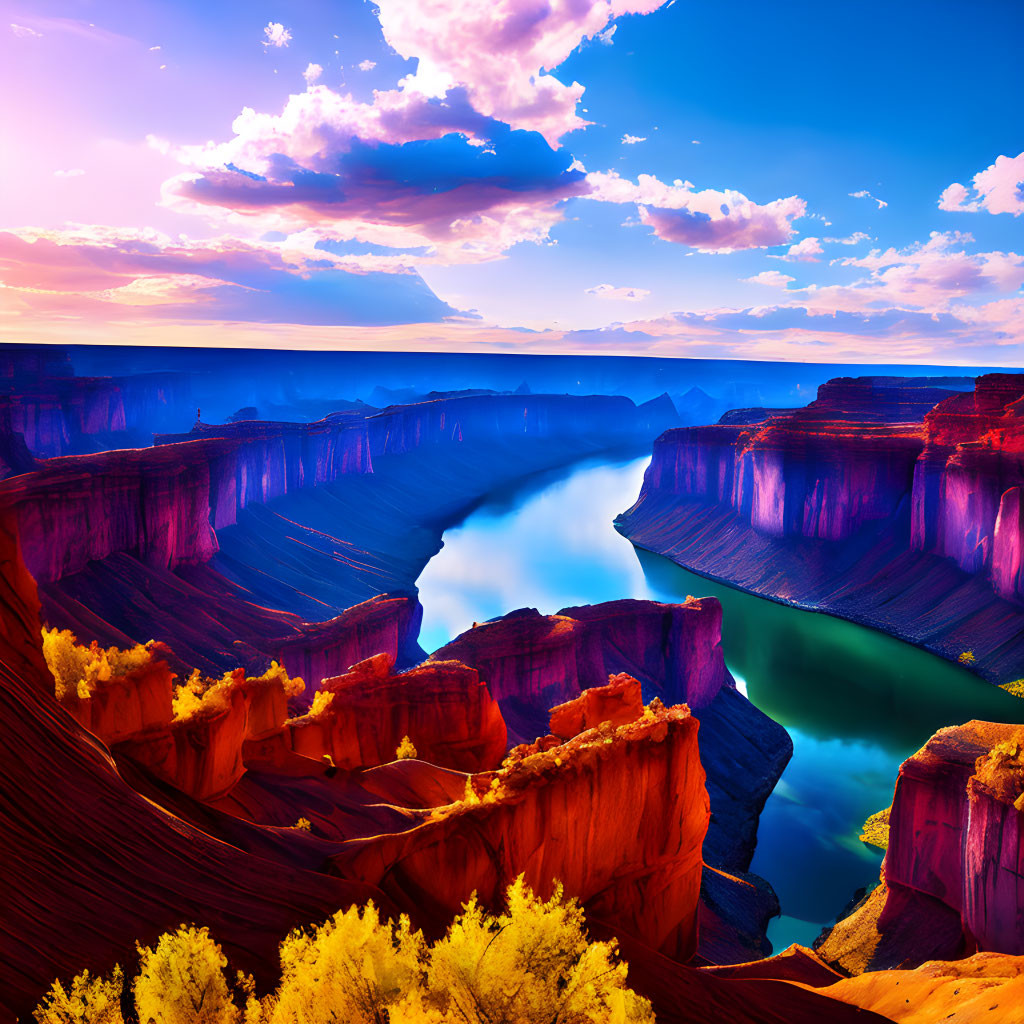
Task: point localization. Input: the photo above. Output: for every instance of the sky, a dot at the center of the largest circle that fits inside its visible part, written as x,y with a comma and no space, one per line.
838,182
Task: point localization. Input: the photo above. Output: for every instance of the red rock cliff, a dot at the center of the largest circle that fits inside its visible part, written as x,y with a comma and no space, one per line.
617,814
442,707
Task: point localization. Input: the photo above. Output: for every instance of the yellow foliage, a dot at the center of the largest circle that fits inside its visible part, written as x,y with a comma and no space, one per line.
1016,687
967,658
876,829
530,965
203,695
86,1000
304,823
182,981
405,749
533,964
348,969
1002,771
322,700
76,669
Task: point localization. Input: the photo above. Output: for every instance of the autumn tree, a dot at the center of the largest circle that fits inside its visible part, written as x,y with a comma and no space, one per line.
181,981
86,1000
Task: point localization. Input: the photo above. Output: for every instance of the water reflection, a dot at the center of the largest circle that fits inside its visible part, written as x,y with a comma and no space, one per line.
855,702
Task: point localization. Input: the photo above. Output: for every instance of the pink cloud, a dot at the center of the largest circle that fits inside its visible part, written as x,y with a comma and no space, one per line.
709,220
772,278
501,52
928,276
100,272
999,189
335,164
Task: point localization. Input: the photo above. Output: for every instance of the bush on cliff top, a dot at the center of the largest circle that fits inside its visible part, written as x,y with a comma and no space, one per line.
202,695
77,669
876,829
532,964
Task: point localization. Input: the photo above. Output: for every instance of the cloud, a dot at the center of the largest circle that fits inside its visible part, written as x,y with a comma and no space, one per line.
772,278
502,53
807,250
74,172
928,276
24,32
402,171
102,272
312,73
632,140
855,239
605,38
865,194
276,35
710,220
999,189
609,291
366,65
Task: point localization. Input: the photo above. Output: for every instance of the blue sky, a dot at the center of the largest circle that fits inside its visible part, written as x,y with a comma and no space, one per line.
673,179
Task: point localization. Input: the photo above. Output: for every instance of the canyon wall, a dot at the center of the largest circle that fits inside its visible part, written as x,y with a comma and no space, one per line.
870,503
164,503
442,708
951,878
603,420
617,815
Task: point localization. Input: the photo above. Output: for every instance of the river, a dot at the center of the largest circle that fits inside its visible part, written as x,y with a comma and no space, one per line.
855,701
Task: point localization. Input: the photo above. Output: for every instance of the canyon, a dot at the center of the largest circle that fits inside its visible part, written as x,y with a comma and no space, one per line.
886,502
265,708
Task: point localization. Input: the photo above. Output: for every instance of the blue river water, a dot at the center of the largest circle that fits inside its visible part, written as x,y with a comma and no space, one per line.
855,702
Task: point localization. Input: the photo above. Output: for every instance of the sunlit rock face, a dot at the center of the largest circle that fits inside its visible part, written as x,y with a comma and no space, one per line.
951,876
163,504
617,814
442,708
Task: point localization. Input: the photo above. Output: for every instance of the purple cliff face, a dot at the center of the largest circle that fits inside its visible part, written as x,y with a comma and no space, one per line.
867,503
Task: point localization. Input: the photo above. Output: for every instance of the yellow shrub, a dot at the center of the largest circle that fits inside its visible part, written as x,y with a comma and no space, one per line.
201,694
405,749
532,964
322,700
181,981
967,658
876,829
76,669
348,969
86,1000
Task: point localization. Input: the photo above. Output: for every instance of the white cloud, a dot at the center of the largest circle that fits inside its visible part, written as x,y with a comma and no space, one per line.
865,194
807,250
632,140
855,239
276,34
605,37
74,172
998,189
312,73
772,278
609,291
366,65
24,32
